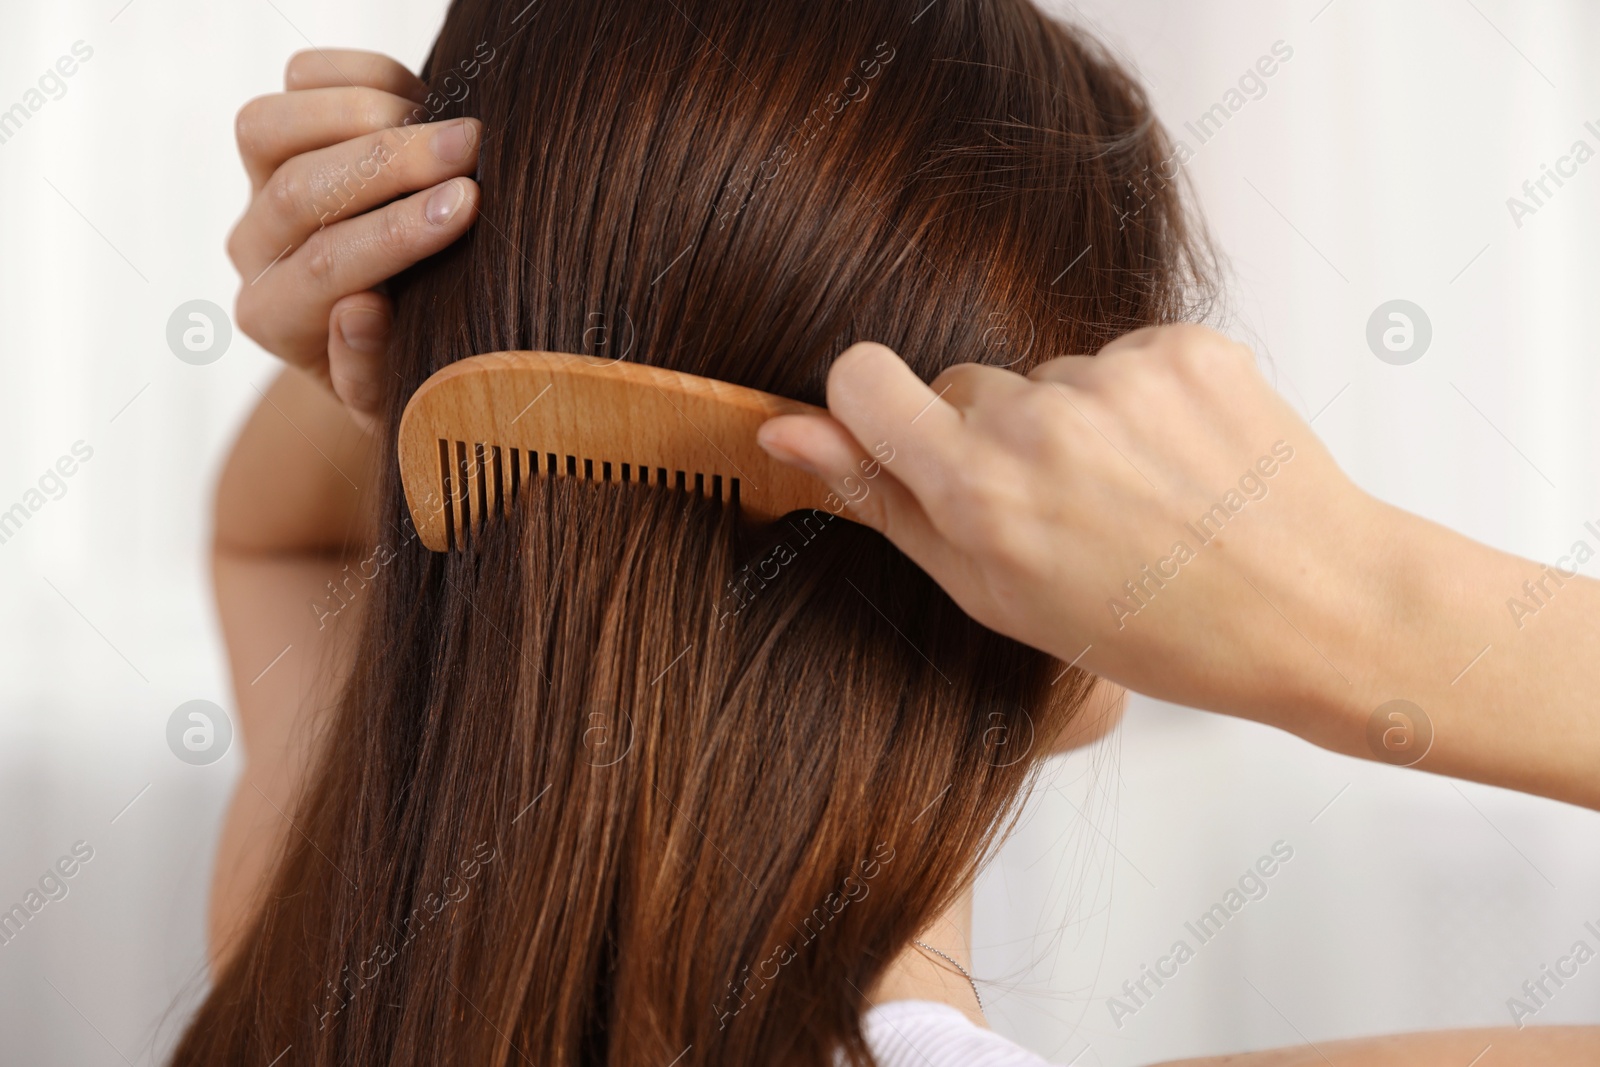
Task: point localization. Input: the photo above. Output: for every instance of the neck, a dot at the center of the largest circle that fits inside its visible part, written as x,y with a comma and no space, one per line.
917,974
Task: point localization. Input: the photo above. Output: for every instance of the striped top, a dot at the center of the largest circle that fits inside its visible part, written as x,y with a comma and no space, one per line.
925,1033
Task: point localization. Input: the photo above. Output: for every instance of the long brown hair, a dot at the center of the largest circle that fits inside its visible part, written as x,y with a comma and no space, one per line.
632,783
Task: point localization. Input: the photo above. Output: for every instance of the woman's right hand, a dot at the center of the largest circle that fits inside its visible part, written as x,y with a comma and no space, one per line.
1159,516
331,161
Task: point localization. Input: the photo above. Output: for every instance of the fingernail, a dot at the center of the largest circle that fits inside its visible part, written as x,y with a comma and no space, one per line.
364,330
452,143
783,455
444,202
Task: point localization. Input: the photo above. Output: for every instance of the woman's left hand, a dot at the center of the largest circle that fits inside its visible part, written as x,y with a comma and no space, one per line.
331,162
1052,506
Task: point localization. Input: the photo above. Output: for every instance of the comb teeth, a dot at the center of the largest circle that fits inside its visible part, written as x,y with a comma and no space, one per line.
479,479
475,433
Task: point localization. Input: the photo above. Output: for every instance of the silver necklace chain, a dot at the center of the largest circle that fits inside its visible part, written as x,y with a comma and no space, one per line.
957,966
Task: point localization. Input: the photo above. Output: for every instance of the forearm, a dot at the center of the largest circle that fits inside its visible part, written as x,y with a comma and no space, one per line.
1502,656
1544,1046
1159,516
298,478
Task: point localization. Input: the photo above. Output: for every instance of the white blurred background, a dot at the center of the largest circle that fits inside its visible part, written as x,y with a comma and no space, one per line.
1375,165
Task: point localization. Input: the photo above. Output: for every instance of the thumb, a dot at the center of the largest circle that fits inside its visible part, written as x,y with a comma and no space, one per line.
358,349
820,445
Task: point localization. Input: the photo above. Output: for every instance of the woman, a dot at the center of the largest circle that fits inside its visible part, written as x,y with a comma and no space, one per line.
594,794
634,782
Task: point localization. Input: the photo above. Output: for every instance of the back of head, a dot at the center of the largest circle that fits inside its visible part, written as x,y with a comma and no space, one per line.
633,781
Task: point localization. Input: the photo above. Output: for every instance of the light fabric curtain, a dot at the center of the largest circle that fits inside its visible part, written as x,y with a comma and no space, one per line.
1373,165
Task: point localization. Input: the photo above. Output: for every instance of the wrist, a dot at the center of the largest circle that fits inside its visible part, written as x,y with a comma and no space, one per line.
1373,620
1418,612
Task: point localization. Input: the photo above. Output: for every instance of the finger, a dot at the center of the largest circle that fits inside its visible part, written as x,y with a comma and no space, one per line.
1143,337
1076,371
880,399
323,68
315,190
965,385
358,349
273,129
1082,371
874,497
349,257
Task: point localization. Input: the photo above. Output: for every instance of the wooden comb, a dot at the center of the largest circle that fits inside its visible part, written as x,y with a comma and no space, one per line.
480,429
